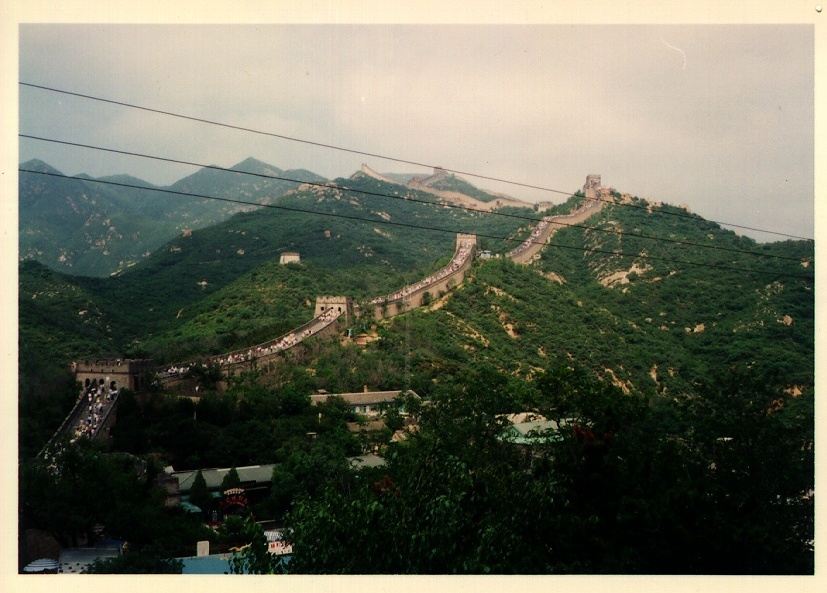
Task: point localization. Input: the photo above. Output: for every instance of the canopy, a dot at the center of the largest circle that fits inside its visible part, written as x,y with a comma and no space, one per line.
42,565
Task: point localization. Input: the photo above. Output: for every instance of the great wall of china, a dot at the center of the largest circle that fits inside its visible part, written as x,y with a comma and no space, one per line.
330,311
424,183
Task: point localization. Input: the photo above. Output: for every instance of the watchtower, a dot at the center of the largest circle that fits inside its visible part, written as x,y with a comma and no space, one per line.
465,238
340,304
114,372
591,185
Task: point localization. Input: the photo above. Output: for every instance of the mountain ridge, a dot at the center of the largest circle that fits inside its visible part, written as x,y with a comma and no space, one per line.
192,285
76,225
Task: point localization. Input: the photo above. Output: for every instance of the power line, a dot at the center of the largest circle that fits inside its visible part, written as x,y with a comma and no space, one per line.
283,137
359,152
408,225
692,216
409,199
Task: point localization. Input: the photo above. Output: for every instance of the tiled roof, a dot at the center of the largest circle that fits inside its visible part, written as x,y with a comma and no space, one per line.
214,477
360,398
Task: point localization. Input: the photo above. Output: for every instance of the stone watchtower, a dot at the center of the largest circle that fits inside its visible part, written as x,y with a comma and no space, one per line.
340,304
590,188
114,372
463,237
289,257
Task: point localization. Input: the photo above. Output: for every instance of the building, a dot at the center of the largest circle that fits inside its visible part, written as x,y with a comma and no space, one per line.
533,432
591,186
289,257
255,486
368,403
339,304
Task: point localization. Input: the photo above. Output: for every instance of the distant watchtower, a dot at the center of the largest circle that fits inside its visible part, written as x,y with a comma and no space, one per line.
590,188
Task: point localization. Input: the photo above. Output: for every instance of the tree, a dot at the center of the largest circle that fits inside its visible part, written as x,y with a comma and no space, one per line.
150,560
754,443
199,494
231,480
616,493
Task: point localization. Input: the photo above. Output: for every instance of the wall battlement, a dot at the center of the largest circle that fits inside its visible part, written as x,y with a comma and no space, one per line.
466,238
416,295
340,304
591,186
130,373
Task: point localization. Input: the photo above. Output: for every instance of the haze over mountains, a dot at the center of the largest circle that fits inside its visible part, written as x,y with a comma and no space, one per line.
98,229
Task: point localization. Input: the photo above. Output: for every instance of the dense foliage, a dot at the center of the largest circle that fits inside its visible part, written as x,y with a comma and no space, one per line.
624,491
684,393
79,487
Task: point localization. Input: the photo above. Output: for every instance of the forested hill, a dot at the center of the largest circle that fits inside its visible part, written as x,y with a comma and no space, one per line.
660,319
690,363
648,314
351,243
80,227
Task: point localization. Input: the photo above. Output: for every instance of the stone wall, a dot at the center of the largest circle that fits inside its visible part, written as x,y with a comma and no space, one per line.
130,373
527,251
431,291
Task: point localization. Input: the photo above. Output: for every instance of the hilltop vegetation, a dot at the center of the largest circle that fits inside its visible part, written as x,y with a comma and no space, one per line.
691,384
644,321
166,298
453,183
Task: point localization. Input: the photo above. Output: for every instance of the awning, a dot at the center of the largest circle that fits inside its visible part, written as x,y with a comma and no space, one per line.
43,565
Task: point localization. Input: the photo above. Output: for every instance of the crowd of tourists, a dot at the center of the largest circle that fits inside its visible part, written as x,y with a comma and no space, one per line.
532,238
95,400
545,222
459,259
283,343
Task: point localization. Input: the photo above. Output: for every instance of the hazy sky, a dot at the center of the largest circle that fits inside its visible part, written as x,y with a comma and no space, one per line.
717,117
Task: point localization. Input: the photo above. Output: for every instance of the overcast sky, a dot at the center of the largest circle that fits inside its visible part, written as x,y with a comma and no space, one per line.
719,118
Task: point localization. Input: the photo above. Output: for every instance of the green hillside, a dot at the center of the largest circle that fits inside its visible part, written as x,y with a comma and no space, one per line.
159,296
453,183
682,375
81,227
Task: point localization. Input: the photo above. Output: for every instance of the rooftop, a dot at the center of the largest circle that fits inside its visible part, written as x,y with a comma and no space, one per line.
214,476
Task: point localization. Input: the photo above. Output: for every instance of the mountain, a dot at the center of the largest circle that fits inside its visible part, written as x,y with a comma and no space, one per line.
449,188
680,355
361,258
649,321
86,228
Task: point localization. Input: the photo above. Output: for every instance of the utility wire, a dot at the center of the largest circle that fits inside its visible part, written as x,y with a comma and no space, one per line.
282,136
360,152
408,225
414,200
694,217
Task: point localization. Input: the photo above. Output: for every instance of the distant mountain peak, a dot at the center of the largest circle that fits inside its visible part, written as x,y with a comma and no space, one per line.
125,179
251,165
39,166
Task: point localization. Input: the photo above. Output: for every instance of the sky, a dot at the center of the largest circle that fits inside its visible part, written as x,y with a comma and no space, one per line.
719,118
